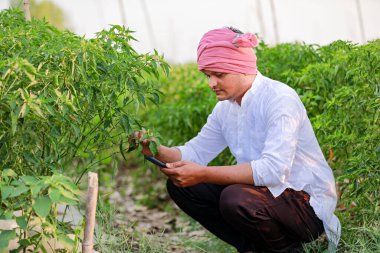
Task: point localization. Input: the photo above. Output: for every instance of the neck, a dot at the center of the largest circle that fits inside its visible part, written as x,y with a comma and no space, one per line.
249,79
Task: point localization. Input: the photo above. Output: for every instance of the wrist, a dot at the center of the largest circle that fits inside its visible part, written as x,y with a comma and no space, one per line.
204,172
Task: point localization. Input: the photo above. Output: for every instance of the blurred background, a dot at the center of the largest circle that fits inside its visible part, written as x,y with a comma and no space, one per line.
175,27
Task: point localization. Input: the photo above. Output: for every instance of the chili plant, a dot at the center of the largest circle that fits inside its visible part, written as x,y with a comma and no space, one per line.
65,102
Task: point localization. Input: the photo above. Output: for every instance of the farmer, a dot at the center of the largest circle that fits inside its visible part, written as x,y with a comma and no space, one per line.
281,193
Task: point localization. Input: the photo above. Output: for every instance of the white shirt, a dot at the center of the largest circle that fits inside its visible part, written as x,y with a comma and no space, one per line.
272,132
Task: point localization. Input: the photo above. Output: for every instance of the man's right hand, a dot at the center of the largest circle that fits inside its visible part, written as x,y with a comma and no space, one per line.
144,142
163,153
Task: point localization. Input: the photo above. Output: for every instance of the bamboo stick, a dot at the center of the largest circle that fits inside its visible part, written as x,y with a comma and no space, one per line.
92,197
27,10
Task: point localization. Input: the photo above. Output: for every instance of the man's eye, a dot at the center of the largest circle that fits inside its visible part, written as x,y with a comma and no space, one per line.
219,74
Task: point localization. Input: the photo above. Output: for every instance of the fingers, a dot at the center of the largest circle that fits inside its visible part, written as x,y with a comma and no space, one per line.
138,134
173,169
175,174
169,171
176,164
177,182
142,139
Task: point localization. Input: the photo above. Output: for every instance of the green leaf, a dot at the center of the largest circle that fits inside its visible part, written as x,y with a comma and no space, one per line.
24,110
66,241
42,248
166,68
22,222
67,201
35,189
36,108
141,98
156,97
76,130
50,109
54,195
28,67
19,190
7,215
125,100
8,173
6,191
24,242
68,194
5,237
42,206
124,121
107,123
29,180
153,147
66,183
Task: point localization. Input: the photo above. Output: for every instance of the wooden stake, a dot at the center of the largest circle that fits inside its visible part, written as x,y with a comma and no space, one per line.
27,10
92,197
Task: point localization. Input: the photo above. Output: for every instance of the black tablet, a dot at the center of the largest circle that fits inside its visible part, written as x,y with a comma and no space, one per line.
155,161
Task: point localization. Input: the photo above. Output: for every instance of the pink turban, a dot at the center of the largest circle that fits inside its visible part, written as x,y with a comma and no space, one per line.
222,50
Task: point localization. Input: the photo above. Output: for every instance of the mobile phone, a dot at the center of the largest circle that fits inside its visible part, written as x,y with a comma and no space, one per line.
155,161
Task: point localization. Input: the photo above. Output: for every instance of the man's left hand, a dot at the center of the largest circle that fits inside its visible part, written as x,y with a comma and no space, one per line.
184,173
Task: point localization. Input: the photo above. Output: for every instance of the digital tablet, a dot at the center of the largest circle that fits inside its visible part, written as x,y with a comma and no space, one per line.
155,161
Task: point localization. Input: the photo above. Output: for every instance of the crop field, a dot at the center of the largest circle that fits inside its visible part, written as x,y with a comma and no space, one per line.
68,106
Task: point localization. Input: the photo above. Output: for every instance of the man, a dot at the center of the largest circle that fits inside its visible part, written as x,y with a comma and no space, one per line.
281,192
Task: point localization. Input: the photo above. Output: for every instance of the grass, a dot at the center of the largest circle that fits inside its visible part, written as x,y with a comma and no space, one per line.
365,238
110,237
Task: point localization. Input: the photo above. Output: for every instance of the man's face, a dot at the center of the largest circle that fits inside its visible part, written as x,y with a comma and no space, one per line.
227,86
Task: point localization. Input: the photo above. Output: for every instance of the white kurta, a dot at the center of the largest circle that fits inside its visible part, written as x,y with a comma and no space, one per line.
272,132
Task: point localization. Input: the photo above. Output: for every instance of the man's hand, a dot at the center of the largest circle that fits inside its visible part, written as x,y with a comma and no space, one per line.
138,139
184,173
149,145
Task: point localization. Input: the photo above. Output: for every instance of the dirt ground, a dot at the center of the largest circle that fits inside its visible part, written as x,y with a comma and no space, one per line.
167,230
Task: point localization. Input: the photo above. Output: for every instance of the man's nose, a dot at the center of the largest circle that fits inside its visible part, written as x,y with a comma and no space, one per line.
212,82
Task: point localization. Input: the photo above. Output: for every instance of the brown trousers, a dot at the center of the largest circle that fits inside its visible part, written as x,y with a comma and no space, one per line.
249,217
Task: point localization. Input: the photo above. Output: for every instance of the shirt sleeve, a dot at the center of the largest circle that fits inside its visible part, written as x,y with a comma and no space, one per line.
207,144
283,117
